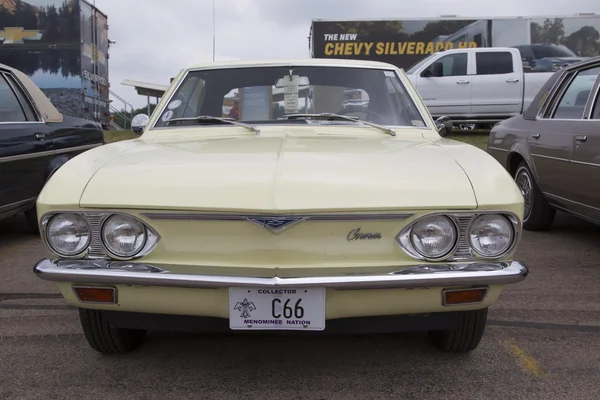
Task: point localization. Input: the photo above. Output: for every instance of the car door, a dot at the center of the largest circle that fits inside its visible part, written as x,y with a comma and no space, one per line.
24,148
551,140
449,94
497,87
585,157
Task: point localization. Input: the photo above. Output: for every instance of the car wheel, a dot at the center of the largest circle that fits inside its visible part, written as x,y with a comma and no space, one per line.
538,213
466,337
466,127
32,221
105,338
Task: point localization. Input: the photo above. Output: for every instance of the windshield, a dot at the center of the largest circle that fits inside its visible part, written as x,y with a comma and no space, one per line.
549,50
263,95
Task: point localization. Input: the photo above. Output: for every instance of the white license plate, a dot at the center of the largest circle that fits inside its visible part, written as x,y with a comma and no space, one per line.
301,309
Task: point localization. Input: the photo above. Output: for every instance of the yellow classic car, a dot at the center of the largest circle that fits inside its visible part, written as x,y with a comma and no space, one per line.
296,212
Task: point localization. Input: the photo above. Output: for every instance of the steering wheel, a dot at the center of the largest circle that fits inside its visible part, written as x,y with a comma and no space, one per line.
362,110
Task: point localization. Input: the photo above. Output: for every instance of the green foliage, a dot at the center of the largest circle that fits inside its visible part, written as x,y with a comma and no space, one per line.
584,42
60,27
117,136
474,138
366,28
437,28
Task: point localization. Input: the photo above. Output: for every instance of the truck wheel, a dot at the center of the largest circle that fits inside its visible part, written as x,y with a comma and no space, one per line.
467,127
538,214
105,338
464,339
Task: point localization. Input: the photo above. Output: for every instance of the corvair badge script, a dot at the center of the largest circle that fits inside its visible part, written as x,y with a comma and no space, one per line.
357,234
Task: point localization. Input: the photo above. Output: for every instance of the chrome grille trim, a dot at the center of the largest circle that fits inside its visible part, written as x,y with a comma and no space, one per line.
463,249
244,217
96,248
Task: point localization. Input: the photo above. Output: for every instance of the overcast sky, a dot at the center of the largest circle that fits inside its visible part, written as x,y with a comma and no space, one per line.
156,40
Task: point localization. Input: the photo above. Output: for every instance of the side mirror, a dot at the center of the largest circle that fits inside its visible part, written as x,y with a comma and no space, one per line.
139,122
443,126
426,72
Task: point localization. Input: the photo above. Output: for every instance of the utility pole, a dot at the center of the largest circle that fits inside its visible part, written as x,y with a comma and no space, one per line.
214,30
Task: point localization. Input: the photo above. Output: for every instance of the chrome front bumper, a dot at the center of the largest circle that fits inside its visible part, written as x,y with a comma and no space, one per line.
419,276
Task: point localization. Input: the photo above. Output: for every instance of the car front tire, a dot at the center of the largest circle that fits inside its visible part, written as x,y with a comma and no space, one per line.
107,339
538,214
466,337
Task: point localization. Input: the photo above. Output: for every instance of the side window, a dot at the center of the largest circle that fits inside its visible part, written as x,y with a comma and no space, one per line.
574,98
193,105
29,112
185,103
10,108
526,53
494,62
454,64
596,109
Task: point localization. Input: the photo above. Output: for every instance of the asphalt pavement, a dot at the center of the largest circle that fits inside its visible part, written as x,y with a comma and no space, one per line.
542,342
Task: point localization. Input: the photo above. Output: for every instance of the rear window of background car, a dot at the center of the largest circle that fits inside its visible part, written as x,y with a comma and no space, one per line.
494,62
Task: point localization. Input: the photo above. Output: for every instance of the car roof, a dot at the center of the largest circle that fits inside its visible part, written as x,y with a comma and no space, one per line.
308,62
47,110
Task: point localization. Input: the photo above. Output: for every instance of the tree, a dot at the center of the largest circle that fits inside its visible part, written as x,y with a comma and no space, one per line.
584,42
537,32
553,32
50,27
436,28
372,30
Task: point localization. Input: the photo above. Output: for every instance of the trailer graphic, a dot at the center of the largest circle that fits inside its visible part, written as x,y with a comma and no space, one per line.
62,45
545,43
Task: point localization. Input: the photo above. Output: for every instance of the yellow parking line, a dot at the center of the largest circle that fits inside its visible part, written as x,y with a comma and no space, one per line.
526,361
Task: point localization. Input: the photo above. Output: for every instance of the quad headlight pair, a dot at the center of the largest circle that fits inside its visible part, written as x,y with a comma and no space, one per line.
70,234
438,236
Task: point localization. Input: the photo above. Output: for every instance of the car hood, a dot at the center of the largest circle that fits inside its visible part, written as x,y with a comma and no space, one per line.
562,59
282,173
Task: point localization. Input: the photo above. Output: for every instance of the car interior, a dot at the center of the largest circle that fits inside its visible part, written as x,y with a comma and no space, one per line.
206,93
576,110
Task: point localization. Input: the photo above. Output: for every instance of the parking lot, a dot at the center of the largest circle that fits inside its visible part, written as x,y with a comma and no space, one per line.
542,342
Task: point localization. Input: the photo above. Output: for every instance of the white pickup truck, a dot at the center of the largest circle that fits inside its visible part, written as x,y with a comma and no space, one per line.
476,85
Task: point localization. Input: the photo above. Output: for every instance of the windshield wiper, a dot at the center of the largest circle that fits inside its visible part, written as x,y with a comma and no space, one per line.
209,118
332,117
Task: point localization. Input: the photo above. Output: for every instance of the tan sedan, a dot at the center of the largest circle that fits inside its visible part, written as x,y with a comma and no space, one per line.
553,149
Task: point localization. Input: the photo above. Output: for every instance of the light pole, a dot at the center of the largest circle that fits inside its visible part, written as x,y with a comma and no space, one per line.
214,30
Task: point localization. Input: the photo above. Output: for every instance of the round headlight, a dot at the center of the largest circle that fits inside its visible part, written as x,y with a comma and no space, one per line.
123,236
434,237
68,234
491,235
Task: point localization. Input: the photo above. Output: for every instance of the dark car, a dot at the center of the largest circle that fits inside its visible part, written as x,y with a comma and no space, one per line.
546,57
553,149
35,140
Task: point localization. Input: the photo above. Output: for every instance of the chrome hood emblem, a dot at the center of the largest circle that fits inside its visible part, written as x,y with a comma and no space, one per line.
275,224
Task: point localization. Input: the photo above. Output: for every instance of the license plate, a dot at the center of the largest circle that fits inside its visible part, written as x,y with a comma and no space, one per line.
301,309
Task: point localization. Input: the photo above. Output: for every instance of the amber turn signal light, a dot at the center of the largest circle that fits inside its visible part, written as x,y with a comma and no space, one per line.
463,296
96,294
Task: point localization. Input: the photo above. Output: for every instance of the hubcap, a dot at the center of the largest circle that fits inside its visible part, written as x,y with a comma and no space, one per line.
466,127
523,181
